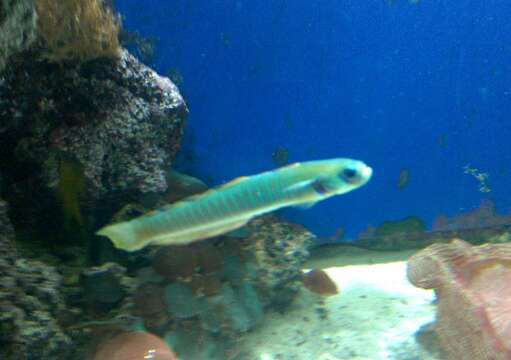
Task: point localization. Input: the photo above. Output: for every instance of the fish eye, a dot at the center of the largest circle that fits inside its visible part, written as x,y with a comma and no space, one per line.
349,175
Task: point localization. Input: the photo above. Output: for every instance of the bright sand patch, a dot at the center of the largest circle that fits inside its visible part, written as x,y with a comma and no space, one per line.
375,316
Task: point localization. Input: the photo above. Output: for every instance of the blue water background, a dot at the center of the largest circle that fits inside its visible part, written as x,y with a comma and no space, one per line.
423,87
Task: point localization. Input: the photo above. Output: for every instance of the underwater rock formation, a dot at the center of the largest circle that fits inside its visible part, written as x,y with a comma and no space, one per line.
474,297
483,216
83,136
7,249
119,119
280,249
408,233
30,303
103,285
17,27
219,289
479,226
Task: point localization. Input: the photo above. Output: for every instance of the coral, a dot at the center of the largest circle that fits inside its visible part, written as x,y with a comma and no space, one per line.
149,305
134,346
483,217
479,226
319,282
7,249
30,303
407,233
176,262
17,27
234,270
279,249
181,262
181,301
77,29
233,311
212,292
411,224
103,285
206,284
210,259
191,342
474,297
148,299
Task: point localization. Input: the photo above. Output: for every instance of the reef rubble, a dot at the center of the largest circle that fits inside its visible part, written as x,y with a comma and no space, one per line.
17,27
30,304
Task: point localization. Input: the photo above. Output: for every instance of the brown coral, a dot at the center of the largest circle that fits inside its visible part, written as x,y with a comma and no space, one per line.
319,282
148,304
206,284
484,216
176,262
474,297
134,346
77,29
210,259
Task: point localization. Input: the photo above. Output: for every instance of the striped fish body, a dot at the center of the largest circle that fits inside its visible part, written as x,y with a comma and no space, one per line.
232,205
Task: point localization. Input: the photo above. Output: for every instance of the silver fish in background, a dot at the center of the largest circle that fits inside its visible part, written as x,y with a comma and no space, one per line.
230,206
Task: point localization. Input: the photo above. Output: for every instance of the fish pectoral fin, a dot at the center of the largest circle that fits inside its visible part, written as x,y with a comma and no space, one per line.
299,185
306,205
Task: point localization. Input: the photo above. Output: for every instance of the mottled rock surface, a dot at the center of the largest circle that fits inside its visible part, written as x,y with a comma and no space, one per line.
119,119
30,302
280,249
103,285
6,233
17,27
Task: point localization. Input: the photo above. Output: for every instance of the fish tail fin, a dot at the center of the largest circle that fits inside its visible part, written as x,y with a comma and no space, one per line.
122,236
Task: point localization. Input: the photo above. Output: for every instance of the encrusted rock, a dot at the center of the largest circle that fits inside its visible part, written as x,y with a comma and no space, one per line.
30,303
103,285
280,249
119,120
6,233
17,27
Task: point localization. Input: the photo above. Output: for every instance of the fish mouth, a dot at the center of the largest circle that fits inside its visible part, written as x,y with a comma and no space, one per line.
366,172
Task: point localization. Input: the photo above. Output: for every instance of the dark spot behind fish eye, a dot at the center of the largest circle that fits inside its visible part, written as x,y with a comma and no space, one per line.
319,187
349,175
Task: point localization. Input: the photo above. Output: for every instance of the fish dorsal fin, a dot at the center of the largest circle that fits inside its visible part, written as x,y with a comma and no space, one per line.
199,196
158,210
290,166
233,182
227,185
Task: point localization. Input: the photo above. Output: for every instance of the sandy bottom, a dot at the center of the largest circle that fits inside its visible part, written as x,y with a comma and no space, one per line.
375,316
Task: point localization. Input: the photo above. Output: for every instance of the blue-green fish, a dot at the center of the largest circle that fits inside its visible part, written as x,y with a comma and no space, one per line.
232,205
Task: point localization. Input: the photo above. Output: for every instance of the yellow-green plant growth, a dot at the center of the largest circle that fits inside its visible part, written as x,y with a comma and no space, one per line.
77,29
69,190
